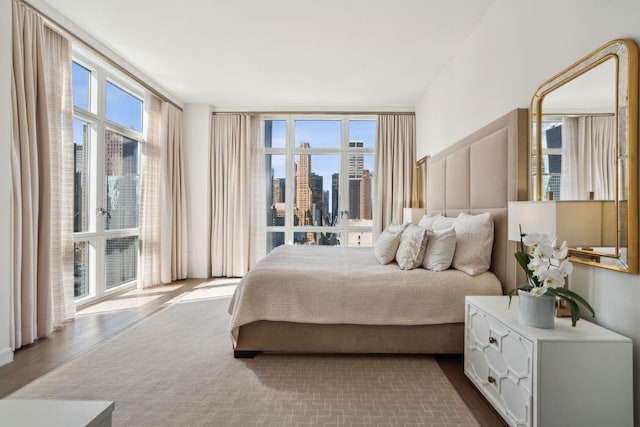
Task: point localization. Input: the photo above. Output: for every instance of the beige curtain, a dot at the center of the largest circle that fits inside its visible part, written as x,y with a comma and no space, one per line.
60,112
588,158
150,181
230,195
163,228
173,202
42,190
395,162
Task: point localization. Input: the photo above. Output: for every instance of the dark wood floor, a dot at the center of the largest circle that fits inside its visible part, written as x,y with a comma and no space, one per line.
94,326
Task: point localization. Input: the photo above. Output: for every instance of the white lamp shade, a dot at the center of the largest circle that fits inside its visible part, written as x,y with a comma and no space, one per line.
533,217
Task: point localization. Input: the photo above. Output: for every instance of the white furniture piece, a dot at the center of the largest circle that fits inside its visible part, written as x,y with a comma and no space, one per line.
565,376
68,413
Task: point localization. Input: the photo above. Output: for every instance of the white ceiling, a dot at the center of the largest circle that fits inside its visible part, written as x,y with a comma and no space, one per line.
283,53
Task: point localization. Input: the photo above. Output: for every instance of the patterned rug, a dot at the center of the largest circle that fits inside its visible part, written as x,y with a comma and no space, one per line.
176,368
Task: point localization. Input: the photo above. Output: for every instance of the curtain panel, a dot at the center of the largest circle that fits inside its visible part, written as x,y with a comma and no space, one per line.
163,227
42,186
173,202
588,160
395,163
150,181
230,195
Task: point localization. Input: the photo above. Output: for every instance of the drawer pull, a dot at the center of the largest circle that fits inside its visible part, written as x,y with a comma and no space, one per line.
492,340
491,379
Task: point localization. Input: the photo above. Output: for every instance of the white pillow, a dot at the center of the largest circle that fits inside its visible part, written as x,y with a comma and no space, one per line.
475,242
441,222
427,221
441,246
387,242
413,242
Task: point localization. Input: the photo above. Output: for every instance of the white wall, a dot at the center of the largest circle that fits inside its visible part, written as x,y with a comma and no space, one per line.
197,134
517,46
6,355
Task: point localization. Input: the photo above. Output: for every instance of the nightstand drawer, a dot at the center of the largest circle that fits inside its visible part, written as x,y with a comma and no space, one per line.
500,363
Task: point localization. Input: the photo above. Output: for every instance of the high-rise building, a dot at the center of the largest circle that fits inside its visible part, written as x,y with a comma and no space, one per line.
354,198
317,202
356,161
554,141
326,220
335,194
356,164
365,195
80,219
303,187
278,190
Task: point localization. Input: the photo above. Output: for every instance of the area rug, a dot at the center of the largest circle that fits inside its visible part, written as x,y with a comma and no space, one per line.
176,368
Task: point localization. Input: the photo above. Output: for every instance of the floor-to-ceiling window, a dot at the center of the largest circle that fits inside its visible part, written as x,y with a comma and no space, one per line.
107,136
319,179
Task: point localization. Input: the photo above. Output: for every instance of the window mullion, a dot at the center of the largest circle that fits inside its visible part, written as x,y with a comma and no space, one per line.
290,181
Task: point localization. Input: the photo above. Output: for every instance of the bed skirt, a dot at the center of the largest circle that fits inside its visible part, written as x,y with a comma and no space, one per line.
289,337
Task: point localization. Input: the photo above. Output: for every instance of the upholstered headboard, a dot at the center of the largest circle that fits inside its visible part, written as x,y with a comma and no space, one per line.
482,173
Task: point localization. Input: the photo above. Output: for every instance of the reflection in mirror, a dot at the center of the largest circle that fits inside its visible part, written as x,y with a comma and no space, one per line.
587,121
579,136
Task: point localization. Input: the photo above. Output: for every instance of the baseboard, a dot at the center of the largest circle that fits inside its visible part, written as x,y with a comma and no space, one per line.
6,356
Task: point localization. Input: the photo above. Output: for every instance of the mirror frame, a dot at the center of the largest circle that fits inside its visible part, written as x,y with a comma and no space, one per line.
420,187
625,52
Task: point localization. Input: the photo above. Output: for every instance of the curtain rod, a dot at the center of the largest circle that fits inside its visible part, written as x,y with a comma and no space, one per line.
577,114
53,23
343,113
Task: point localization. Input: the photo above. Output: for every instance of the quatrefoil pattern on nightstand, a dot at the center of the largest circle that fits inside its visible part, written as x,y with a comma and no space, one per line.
499,361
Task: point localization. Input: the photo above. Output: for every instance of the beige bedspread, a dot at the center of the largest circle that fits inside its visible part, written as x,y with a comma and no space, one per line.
341,285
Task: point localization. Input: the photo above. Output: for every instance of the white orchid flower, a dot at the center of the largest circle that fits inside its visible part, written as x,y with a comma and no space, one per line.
561,252
534,263
533,239
552,278
565,268
543,251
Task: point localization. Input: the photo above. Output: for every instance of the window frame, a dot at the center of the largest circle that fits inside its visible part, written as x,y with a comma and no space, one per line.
96,236
343,151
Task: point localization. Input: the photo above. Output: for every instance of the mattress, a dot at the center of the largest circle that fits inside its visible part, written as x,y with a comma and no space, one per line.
342,285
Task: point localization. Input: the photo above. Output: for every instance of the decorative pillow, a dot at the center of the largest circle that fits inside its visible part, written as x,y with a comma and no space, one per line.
441,247
427,221
387,242
441,222
475,242
412,245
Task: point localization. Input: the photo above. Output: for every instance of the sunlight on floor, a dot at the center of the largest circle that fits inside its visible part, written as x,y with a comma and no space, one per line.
135,298
121,302
132,299
216,288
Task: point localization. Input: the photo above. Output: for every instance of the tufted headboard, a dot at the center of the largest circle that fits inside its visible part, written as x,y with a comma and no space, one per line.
482,173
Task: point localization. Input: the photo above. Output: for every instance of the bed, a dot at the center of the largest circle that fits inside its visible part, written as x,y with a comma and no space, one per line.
364,307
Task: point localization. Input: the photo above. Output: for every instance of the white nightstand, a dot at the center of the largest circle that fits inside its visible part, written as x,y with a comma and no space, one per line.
565,376
46,413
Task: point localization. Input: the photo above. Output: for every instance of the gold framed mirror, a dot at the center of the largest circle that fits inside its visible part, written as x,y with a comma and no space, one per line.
420,187
584,154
